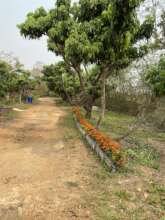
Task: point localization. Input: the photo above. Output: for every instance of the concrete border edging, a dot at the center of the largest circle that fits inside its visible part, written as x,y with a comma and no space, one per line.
95,146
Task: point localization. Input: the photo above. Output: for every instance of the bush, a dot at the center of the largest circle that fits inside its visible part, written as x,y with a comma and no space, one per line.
155,77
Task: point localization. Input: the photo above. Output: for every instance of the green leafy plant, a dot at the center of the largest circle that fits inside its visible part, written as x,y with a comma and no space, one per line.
155,77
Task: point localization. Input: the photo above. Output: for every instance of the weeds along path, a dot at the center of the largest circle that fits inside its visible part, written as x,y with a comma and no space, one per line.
44,170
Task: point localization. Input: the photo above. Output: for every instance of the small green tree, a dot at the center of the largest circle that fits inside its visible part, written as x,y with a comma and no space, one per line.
5,78
67,86
23,84
60,81
155,77
15,82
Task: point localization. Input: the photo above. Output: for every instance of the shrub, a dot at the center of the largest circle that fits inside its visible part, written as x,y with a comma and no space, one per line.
155,77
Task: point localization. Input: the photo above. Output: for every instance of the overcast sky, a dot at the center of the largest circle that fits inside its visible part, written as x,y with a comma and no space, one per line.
13,12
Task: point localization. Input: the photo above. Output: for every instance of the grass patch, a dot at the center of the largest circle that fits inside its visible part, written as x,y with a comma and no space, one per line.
114,124
9,115
61,102
116,196
143,154
137,149
123,194
67,122
156,195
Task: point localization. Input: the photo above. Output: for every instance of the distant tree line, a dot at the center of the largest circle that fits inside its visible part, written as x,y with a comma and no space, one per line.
15,82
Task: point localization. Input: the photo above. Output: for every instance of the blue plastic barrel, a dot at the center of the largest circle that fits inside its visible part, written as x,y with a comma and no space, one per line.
29,100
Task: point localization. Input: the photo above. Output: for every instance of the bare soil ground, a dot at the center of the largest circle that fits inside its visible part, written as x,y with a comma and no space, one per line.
42,175
47,172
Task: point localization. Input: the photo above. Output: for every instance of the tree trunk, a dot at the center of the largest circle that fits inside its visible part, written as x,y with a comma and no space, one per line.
89,103
89,114
8,97
20,98
88,109
67,95
13,98
77,70
81,79
68,98
86,70
103,99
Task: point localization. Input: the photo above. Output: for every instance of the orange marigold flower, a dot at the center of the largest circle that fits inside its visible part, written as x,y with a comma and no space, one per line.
105,142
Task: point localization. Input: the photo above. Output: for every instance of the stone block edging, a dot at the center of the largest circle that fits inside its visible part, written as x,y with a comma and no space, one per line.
95,147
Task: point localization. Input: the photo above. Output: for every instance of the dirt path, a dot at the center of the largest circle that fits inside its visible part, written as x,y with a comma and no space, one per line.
48,173
42,176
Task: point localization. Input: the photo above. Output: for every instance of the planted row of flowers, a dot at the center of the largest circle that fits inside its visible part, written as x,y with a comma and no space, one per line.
108,145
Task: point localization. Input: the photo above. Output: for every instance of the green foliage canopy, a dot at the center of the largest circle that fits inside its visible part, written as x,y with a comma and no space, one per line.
162,26
60,81
108,31
96,31
100,32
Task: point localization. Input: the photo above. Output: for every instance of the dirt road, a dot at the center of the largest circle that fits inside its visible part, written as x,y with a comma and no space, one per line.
42,175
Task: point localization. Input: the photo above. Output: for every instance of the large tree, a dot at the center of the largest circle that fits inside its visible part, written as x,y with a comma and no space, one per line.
108,33
100,32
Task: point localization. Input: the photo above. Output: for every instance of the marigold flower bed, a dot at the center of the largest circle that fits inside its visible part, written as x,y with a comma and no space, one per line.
108,145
